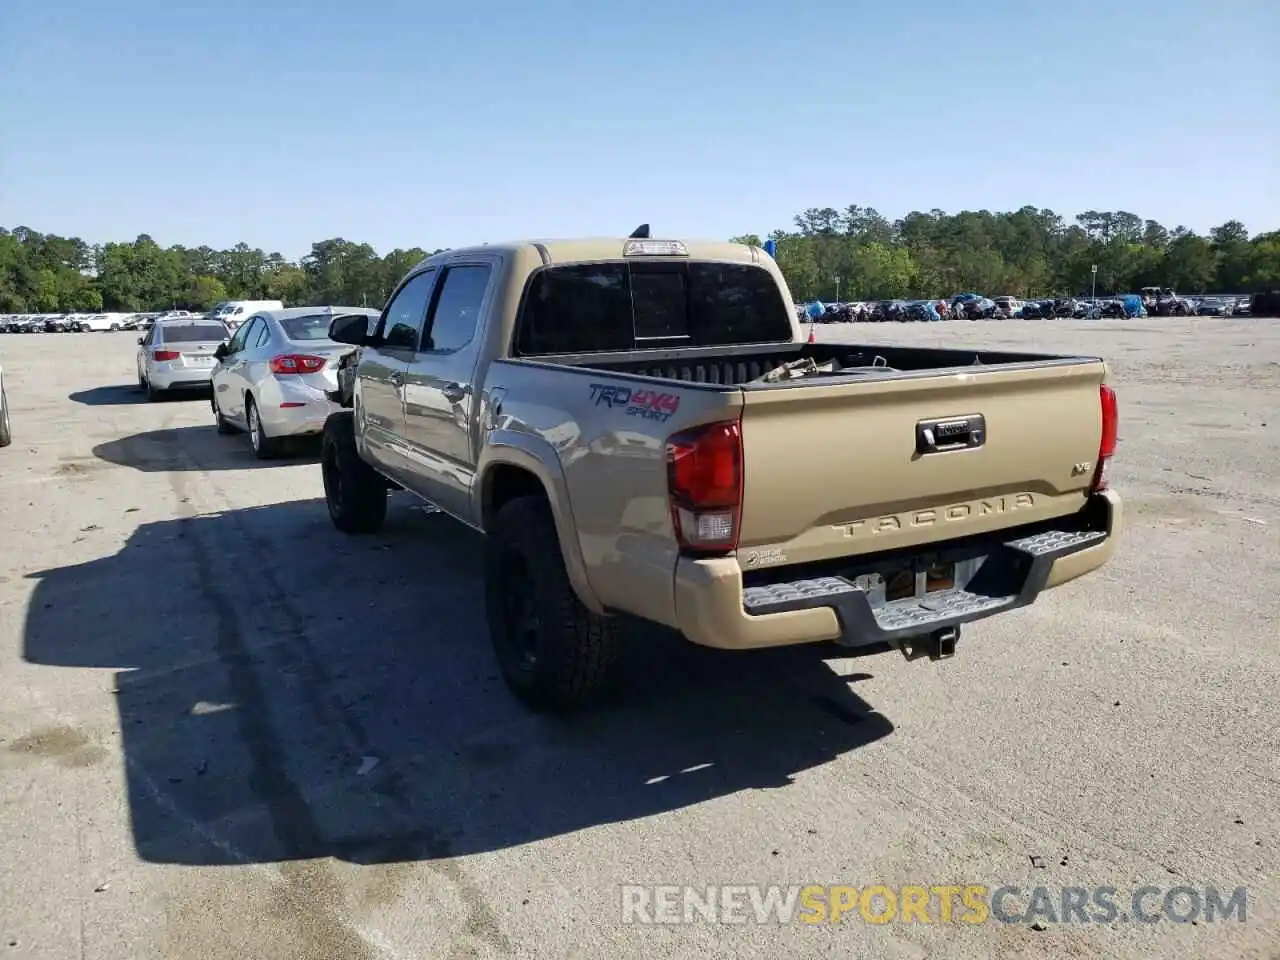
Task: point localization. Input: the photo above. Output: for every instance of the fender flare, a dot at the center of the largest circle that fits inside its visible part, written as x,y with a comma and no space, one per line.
538,457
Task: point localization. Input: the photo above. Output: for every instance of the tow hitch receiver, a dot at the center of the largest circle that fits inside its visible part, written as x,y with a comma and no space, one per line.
939,645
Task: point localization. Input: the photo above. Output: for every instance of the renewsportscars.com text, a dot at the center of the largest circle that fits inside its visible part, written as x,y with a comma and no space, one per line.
972,903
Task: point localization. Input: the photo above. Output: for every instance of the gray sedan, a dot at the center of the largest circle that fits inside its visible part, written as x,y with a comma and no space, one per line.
272,378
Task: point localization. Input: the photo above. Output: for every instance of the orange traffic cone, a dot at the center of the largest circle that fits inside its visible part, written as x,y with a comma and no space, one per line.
812,338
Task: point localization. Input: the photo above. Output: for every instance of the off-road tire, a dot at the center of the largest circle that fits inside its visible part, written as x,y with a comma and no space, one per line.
569,656
355,493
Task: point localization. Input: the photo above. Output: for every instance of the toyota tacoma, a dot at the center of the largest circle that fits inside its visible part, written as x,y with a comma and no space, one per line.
642,427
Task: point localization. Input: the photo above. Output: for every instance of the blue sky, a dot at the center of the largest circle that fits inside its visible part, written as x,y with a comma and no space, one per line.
409,123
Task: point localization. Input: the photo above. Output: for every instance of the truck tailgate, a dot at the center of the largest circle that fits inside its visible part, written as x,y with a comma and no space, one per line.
853,467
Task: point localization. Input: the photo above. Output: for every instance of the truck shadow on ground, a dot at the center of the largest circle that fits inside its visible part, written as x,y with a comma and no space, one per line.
285,692
199,448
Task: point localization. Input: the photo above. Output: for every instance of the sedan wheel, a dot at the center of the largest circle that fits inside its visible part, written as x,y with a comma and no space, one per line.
264,447
255,429
224,425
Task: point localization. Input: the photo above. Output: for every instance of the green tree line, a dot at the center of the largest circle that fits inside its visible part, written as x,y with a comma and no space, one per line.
1026,253
42,273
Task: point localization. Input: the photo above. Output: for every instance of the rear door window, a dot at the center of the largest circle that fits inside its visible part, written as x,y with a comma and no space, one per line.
649,304
457,308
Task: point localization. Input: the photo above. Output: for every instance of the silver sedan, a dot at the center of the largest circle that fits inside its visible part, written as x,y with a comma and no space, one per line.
178,354
272,378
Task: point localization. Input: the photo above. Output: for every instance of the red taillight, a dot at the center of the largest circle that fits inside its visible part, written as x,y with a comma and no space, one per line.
1110,430
162,355
296,363
704,477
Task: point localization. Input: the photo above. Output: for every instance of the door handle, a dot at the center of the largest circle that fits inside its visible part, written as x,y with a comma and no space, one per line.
495,407
954,433
454,392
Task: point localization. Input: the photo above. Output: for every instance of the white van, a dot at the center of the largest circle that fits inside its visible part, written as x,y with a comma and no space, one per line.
235,312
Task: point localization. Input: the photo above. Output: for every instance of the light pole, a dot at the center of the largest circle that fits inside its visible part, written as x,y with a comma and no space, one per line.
1094,293
837,289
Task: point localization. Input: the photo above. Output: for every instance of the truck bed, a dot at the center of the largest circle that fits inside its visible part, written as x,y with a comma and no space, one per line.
897,448
739,366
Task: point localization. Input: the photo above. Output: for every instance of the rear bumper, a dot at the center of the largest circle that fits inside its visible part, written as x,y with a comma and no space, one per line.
715,609
283,417
163,377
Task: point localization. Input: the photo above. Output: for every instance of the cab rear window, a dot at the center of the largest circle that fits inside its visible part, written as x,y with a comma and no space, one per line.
650,304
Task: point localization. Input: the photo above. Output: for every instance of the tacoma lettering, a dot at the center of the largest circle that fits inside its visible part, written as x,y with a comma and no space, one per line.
956,513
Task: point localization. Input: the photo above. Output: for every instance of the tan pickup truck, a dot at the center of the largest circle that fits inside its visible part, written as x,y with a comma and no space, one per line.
640,427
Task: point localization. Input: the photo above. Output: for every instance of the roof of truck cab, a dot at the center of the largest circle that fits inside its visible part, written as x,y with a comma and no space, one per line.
607,248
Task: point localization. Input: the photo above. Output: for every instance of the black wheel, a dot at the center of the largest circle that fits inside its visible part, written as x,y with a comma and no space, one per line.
153,395
6,425
264,447
354,492
225,426
554,653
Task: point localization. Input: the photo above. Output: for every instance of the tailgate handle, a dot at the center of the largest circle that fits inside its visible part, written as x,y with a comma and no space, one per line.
951,433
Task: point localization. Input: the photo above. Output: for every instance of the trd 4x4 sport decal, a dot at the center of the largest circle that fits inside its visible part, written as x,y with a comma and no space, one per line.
647,404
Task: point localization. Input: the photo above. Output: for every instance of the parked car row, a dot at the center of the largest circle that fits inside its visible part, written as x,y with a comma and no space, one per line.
269,378
82,322
973,306
66,322
231,313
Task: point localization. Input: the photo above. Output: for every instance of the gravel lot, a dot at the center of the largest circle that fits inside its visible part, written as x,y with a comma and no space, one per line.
228,731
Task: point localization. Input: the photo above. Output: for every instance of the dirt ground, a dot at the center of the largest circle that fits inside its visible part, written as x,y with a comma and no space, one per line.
226,730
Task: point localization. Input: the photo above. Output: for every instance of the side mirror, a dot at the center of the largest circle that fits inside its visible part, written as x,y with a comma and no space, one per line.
350,328
140,340
220,352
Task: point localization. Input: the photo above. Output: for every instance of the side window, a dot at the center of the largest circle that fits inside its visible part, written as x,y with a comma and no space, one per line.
402,322
457,308
237,342
264,333
150,338
252,326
